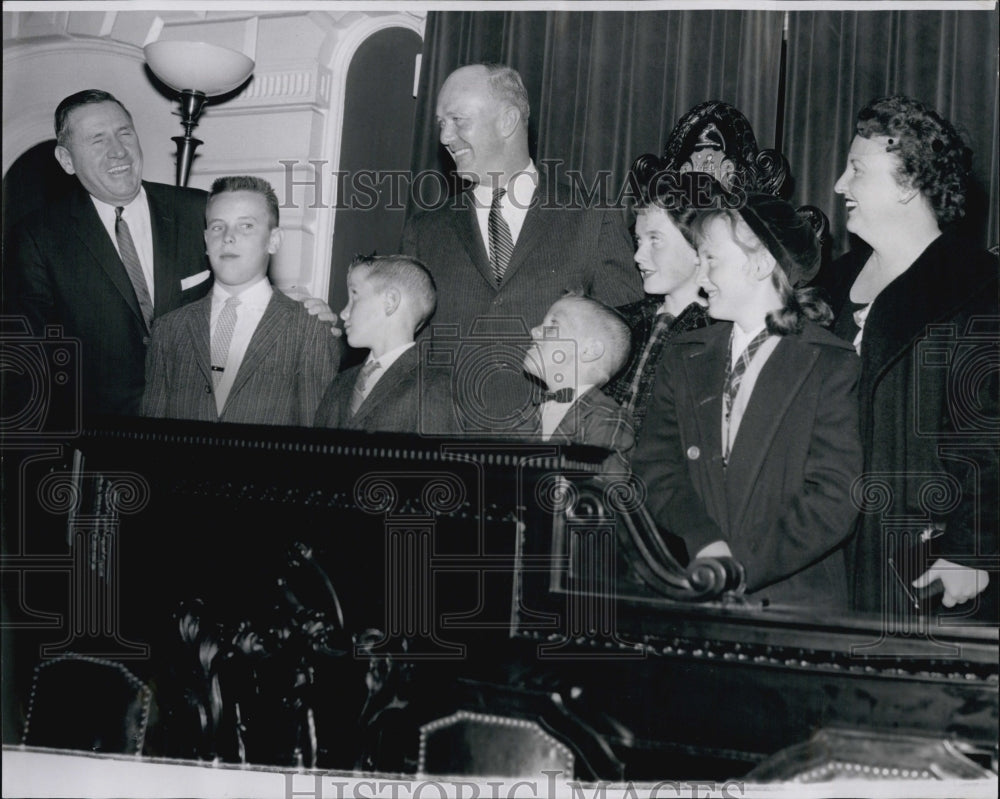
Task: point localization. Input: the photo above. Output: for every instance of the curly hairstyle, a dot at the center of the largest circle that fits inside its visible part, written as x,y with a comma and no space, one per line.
933,157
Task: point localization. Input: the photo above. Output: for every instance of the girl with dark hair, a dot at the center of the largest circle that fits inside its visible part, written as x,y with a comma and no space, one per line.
752,441
920,306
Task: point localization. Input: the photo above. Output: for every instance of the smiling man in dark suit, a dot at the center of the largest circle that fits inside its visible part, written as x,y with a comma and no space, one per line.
507,248
68,266
245,353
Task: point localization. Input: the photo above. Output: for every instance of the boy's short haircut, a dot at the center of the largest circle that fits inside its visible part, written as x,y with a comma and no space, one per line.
252,184
405,273
597,320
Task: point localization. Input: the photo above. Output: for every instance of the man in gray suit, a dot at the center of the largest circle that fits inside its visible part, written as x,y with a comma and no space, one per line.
245,352
504,250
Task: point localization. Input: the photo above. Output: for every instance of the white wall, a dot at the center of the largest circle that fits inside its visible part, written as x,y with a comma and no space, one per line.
292,109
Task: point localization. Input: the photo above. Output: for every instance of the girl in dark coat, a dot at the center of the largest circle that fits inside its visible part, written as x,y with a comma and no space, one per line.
751,442
920,306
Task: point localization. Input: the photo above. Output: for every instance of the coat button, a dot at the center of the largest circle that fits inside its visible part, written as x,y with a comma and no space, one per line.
145,341
693,453
208,389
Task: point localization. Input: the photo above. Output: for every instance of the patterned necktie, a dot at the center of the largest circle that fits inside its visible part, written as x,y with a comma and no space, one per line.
501,242
222,337
361,385
129,256
734,373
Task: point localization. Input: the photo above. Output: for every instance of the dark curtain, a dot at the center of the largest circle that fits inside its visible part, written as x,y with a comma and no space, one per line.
608,86
840,60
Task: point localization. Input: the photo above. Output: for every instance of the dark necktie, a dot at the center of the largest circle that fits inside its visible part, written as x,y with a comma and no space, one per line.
360,385
735,372
221,339
561,395
501,242
129,256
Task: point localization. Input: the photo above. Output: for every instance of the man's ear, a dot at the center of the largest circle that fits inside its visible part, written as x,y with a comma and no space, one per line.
65,159
592,350
274,242
510,118
391,299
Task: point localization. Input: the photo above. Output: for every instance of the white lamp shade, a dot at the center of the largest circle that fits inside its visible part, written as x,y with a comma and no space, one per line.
198,66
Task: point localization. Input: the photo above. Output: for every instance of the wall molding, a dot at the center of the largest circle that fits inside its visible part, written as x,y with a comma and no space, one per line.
339,64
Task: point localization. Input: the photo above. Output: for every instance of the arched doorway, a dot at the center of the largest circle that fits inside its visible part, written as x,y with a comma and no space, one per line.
377,140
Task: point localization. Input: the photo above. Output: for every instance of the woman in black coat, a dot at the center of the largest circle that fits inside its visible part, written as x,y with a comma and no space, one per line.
920,306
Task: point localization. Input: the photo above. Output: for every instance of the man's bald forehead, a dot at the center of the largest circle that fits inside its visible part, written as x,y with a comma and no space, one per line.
471,76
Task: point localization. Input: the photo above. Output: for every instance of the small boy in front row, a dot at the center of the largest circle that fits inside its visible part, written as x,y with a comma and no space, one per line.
390,297
579,346
244,353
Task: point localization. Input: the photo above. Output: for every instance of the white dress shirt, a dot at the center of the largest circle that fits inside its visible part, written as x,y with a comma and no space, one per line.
740,342
136,214
513,206
253,303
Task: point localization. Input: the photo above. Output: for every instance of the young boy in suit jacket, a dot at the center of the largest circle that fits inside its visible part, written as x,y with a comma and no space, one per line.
577,348
752,442
245,352
390,297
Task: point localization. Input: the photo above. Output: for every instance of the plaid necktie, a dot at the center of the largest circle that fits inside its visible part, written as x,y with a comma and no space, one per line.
224,327
734,374
129,256
501,242
361,384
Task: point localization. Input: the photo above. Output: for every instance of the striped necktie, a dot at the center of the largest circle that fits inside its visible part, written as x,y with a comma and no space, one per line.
735,372
130,258
223,336
501,242
361,385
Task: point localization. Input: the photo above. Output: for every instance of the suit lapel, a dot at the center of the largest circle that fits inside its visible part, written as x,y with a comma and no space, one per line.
465,225
776,388
95,238
705,369
264,338
531,230
199,328
400,371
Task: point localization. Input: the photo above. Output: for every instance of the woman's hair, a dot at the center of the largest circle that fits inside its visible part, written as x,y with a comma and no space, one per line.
797,304
934,158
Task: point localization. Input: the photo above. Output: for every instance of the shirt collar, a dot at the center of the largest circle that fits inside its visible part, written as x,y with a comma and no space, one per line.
387,359
741,339
256,296
107,211
521,187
